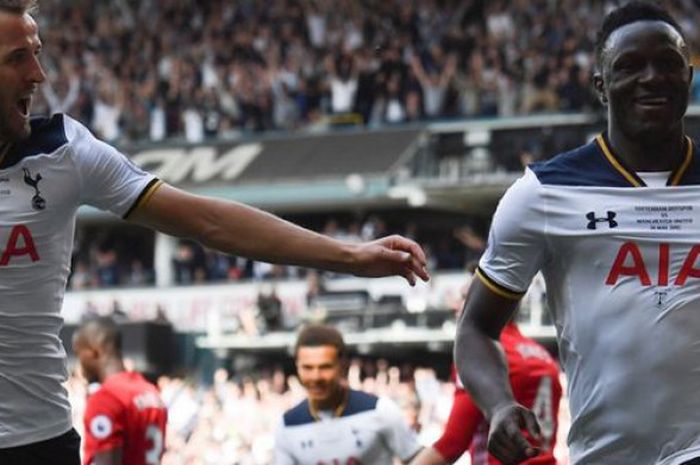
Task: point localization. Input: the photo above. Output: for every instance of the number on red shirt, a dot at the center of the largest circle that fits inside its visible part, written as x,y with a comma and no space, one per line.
542,407
156,437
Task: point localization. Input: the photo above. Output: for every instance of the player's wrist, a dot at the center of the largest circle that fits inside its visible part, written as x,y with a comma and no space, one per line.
501,407
349,257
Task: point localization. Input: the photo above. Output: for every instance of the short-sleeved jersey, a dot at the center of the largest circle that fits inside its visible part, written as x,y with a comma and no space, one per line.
126,411
534,379
43,181
370,430
620,261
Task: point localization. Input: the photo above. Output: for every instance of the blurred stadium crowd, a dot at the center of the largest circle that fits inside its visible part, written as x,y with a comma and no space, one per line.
205,428
204,422
136,70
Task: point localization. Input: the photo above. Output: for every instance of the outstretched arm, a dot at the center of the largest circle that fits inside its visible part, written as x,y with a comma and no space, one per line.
483,369
238,229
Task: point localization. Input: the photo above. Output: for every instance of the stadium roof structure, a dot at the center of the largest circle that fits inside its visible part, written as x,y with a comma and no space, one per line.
287,173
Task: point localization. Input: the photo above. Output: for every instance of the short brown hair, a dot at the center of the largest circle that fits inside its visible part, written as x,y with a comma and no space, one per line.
103,332
316,335
19,7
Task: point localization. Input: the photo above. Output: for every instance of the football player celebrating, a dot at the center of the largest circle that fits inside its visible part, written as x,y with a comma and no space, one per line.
614,227
336,424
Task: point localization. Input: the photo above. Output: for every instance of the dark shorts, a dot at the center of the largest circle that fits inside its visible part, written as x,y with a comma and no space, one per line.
695,461
61,450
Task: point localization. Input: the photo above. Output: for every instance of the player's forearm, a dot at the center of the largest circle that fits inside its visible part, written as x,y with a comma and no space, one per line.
482,368
241,230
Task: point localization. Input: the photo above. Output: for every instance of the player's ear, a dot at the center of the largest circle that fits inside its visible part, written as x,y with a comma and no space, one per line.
95,353
344,362
599,87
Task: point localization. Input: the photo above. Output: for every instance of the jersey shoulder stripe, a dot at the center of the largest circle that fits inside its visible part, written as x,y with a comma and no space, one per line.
47,135
298,415
359,402
596,165
583,166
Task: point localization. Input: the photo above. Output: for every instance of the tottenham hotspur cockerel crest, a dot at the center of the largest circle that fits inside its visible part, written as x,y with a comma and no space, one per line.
38,202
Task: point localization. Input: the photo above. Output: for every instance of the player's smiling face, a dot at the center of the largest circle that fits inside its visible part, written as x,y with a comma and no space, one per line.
20,73
320,372
645,78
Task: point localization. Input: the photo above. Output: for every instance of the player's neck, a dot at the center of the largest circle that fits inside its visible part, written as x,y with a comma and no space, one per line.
335,402
111,367
664,154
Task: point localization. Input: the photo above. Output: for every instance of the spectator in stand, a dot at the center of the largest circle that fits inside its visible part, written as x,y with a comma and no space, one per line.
189,263
107,260
434,80
270,308
342,81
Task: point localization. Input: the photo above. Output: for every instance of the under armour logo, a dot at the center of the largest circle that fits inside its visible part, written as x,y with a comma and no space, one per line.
610,219
38,202
358,441
307,444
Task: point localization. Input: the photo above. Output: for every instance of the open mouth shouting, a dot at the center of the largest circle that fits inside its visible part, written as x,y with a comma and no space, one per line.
23,105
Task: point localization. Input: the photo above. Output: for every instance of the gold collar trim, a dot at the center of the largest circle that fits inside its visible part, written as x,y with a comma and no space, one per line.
338,410
673,180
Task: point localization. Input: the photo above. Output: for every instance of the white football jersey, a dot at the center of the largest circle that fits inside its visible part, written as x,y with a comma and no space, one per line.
43,181
621,265
370,431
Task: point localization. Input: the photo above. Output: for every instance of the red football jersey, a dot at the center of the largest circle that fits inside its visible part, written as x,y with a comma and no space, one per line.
534,378
127,412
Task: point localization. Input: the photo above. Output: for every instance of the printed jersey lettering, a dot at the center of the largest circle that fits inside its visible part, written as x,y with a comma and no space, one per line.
19,243
148,400
527,350
629,261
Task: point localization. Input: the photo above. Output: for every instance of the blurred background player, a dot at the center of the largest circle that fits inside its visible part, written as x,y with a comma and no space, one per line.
125,417
534,379
336,424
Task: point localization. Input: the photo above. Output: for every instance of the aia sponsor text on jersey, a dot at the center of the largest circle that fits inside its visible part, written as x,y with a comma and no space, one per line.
20,242
630,261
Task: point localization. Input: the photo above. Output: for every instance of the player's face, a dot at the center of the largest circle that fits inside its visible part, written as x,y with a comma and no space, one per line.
88,358
645,79
320,372
20,73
